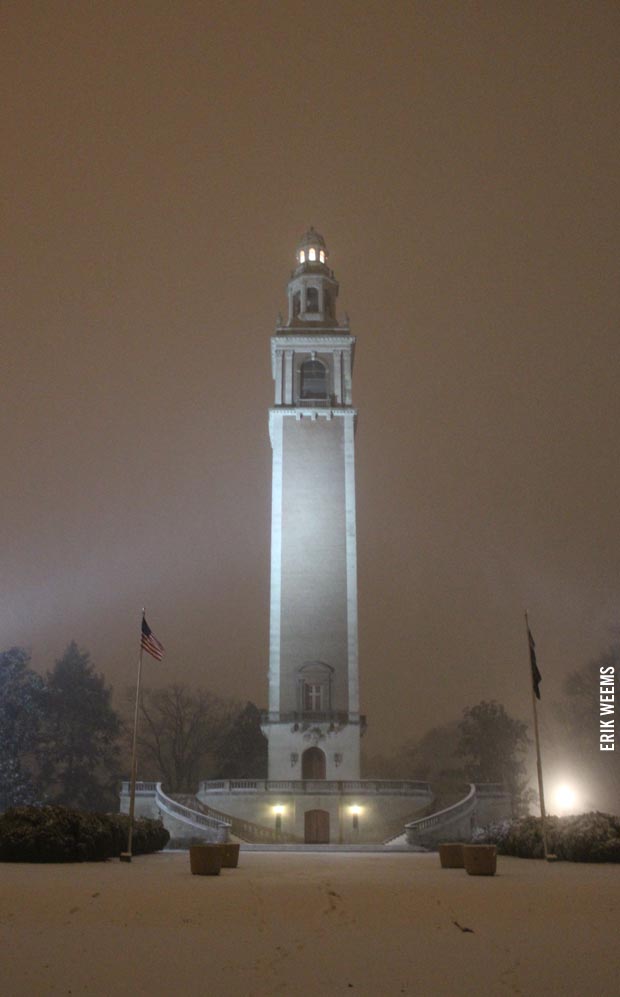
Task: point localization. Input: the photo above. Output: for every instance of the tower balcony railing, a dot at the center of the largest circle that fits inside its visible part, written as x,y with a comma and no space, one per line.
304,719
373,787
325,402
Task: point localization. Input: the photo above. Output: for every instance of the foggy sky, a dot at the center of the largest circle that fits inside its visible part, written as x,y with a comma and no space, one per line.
161,161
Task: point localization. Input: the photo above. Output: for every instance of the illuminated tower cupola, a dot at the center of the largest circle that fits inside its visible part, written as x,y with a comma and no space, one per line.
312,289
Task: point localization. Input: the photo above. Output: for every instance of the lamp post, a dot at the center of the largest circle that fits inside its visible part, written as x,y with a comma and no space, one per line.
278,811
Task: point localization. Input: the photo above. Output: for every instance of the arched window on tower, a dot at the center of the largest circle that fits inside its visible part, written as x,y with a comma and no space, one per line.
296,304
312,299
314,688
313,379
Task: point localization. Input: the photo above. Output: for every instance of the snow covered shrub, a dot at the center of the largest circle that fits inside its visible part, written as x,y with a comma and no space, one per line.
592,837
58,834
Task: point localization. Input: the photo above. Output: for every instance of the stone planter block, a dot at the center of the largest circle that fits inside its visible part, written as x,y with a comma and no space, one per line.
451,855
480,860
230,855
205,860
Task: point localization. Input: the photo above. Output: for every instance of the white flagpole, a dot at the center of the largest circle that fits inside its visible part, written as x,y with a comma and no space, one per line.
126,856
541,792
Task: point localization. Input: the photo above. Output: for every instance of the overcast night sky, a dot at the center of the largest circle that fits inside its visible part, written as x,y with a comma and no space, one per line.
160,162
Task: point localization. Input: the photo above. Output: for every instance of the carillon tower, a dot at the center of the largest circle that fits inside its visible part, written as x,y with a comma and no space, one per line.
313,792
313,725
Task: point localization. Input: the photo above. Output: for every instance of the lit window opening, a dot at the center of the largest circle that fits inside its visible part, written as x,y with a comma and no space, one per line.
322,256
312,254
313,698
302,256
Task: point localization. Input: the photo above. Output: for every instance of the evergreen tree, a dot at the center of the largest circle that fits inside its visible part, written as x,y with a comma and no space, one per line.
78,752
20,721
242,752
493,745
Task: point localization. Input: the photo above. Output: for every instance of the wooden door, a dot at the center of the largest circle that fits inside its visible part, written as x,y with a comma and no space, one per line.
313,764
316,827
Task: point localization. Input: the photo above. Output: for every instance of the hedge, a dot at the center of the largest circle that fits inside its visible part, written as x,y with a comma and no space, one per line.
59,834
591,837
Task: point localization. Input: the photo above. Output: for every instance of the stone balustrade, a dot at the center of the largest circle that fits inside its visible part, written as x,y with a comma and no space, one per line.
443,818
189,816
386,787
483,802
142,788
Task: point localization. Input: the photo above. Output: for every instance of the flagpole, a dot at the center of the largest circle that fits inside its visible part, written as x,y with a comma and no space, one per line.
541,792
126,856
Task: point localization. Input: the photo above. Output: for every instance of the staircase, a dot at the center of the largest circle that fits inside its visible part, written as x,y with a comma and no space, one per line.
209,827
243,830
398,831
453,822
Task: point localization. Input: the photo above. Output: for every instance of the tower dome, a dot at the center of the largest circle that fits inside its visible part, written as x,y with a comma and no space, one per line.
311,248
312,289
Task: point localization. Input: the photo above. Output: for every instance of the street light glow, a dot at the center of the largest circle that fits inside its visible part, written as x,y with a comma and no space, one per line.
565,799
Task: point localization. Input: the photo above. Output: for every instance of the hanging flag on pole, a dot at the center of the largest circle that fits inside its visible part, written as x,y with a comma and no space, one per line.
149,642
536,679
536,676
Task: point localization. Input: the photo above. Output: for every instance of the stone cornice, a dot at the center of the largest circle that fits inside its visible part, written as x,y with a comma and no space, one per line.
317,328
313,414
312,340
326,412
319,343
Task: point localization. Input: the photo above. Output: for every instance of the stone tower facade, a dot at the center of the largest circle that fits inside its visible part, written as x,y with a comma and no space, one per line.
313,792
313,725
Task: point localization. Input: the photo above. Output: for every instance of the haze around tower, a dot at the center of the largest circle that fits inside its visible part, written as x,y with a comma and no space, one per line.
160,164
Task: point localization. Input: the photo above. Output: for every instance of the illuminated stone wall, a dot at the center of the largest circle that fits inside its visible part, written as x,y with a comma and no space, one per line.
314,591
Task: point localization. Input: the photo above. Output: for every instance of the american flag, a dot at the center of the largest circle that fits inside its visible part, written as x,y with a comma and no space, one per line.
149,642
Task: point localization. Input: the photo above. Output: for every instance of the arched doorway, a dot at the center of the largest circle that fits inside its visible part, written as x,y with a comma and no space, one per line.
316,827
313,764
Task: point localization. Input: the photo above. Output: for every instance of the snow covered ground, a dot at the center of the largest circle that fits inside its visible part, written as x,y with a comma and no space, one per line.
319,923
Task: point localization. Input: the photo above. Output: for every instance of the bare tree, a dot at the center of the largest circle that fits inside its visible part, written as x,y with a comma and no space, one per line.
179,735
431,757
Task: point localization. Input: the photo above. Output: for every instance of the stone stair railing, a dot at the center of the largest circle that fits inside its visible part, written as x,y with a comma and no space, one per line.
216,828
455,820
399,829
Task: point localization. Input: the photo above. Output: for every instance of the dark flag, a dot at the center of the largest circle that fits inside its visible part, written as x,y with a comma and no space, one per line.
536,676
149,642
